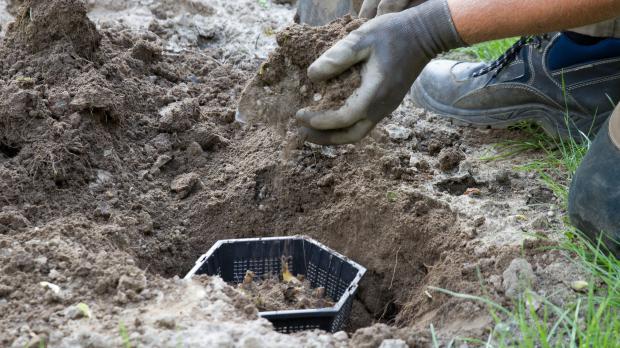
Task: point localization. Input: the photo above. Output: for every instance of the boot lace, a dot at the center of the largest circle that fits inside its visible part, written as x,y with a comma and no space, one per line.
508,57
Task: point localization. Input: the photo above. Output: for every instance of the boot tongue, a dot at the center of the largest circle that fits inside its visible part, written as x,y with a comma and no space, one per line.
570,50
581,39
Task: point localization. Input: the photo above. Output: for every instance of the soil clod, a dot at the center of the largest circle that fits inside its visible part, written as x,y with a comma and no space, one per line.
450,158
39,25
183,185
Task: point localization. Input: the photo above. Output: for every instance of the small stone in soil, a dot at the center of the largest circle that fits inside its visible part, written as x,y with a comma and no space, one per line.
396,132
159,163
393,343
518,277
184,184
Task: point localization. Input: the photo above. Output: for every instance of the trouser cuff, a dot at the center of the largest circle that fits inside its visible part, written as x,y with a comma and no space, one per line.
610,28
614,127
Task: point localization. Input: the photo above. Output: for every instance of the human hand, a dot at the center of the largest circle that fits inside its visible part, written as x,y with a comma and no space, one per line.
393,49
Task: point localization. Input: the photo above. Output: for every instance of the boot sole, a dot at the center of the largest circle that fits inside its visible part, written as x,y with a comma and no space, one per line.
554,122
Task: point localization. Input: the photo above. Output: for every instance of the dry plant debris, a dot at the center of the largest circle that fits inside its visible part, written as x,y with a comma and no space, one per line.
274,292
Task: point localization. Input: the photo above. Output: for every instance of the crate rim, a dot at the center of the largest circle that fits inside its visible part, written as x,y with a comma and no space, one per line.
361,270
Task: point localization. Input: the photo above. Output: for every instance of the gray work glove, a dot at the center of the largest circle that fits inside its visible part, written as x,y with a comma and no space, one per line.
394,49
373,8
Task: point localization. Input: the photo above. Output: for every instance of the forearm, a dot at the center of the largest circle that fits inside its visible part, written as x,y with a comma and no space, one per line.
483,20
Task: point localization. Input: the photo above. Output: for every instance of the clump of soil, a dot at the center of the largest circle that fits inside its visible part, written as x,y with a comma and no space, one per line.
48,45
281,86
40,24
273,294
450,158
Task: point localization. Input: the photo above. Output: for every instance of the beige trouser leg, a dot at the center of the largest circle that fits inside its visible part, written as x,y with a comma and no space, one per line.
614,127
320,12
610,28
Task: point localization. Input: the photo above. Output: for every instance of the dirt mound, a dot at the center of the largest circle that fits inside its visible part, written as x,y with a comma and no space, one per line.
41,24
63,115
61,264
281,86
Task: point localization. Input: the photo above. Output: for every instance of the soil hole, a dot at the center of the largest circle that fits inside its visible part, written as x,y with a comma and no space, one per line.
381,296
400,242
9,151
104,116
207,40
458,185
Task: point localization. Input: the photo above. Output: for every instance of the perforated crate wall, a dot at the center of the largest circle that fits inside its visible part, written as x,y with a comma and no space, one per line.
323,267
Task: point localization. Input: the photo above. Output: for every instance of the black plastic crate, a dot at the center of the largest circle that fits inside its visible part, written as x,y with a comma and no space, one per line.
322,266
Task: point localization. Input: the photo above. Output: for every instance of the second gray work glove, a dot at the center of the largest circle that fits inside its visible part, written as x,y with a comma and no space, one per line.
373,8
394,49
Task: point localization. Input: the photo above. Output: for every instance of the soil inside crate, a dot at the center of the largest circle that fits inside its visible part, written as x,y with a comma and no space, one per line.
270,293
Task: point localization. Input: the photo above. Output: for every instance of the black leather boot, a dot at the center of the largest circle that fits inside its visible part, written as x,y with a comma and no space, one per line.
541,79
594,200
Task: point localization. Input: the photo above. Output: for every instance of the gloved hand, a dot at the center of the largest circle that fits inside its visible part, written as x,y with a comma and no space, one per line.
372,8
394,49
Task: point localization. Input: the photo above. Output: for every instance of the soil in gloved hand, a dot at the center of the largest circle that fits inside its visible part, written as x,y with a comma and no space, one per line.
281,86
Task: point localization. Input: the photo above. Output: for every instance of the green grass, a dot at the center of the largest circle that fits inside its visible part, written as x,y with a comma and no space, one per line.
561,157
122,329
488,51
263,3
593,319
